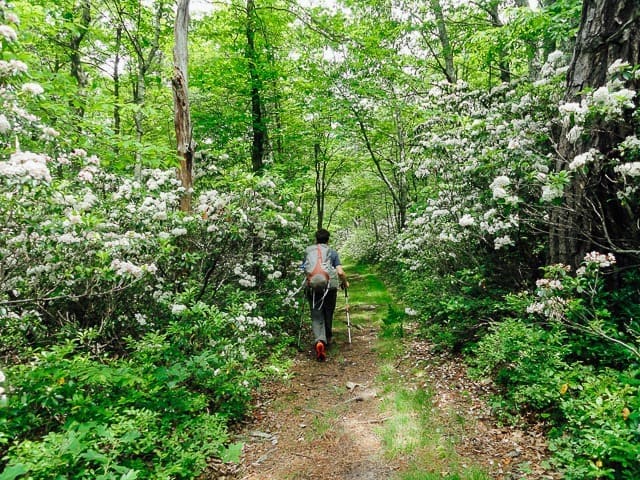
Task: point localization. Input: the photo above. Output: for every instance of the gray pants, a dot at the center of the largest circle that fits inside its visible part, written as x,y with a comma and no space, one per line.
322,309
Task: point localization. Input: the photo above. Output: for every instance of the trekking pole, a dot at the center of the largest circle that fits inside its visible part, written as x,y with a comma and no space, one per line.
300,328
346,307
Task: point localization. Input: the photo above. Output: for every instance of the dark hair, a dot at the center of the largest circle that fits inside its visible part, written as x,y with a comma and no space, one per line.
322,236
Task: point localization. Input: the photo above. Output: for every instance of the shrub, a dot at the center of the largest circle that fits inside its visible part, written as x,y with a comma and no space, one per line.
600,437
527,364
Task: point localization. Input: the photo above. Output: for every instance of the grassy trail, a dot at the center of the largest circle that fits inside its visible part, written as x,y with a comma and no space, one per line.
364,414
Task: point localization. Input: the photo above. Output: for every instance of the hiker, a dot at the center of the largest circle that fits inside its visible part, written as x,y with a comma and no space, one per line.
324,274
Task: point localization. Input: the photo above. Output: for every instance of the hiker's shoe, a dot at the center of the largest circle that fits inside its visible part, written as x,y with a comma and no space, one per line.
320,355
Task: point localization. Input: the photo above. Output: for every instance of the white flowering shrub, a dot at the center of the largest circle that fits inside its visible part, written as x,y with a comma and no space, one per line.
129,328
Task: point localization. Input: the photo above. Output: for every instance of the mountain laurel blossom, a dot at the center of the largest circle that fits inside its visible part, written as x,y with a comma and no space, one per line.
124,268
503,241
583,159
5,126
575,133
497,186
551,192
12,68
26,166
466,220
617,66
8,33
3,396
601,259
178,308
631,169
32,88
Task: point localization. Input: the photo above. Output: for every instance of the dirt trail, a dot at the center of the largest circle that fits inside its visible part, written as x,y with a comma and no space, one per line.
322,423
326,421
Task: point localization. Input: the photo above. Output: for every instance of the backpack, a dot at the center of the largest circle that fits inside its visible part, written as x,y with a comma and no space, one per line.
317,266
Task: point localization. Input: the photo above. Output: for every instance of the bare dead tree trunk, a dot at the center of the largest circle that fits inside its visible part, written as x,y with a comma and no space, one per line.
182,114
591,216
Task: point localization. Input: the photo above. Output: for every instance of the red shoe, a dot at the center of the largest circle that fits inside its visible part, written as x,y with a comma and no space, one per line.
320,355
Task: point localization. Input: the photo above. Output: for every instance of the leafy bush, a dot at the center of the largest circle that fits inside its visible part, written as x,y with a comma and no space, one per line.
601,434
453,310
157,413
134,331
527,364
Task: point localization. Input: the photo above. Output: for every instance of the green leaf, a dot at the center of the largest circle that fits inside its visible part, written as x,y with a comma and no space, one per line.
13,472
232,453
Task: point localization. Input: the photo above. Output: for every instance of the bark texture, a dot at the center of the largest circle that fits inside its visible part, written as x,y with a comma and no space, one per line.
182,115
591,217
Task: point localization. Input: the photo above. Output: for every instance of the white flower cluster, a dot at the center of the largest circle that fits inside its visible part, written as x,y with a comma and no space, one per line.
573,113
555,61
499,191
552,307
548,284
630,146
601,259
212,202
618,66
246,280
5,125
125,268
178,308
503,241
631,169
584,159
32,88
8,33
25,166
466,220
551,192
245,322
158,178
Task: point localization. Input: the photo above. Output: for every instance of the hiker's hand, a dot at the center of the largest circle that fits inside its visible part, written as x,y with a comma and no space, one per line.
344,285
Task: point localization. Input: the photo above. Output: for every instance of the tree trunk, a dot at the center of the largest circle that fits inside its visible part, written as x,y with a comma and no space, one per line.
591,216
182,115
75,41
117,119
447,52
321,171
258,124
503,60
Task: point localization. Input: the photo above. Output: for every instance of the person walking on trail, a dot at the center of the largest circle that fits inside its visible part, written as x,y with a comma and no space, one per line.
324,275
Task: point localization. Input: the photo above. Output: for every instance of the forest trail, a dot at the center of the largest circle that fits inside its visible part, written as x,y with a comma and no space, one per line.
381,409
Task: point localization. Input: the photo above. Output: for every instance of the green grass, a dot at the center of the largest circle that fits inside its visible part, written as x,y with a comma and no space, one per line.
415,431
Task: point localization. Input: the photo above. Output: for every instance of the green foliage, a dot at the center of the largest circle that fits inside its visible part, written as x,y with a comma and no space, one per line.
453,310
601,436
527,364
393,322
147,416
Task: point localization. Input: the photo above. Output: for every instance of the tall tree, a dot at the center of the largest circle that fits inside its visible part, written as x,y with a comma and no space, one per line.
145,32
258,124
590,215
443,35
182,114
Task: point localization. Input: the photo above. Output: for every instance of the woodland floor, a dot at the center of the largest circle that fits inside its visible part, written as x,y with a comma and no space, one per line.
338,419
